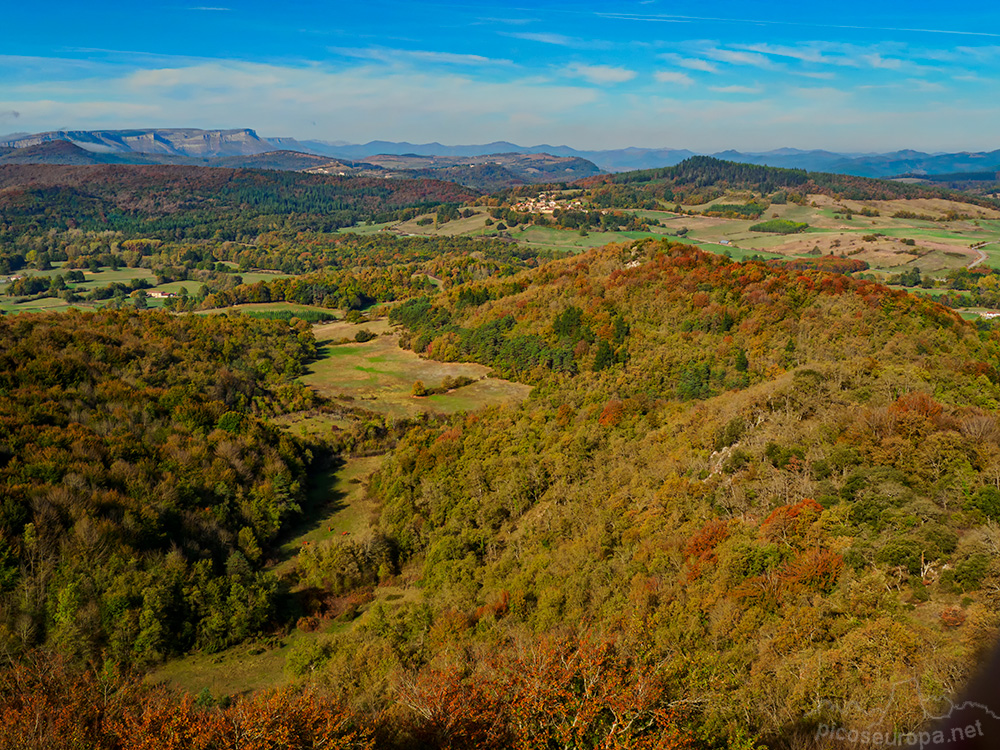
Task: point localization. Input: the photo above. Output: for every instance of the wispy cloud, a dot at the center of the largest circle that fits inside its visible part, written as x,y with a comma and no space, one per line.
207,8
736,89
360,103
739,57
804,58
703,65
809,53
545,37
665,18
980,54
388,55
602,74
925,86
558,40
690,63
875,60
670,76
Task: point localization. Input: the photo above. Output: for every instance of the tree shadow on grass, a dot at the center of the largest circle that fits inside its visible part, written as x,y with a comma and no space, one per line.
322,500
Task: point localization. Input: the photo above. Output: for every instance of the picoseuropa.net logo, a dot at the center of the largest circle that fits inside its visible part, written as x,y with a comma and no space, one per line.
926,738
964,725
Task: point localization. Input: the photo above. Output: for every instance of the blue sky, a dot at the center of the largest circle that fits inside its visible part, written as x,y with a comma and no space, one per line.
848,76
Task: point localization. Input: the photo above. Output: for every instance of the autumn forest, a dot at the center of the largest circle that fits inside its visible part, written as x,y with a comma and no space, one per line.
732,501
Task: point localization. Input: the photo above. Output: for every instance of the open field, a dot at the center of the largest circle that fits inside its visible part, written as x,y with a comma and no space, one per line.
366,228
941,246
337,506
470,227
380,376
252,277
106,276
47,304
243,669
269,307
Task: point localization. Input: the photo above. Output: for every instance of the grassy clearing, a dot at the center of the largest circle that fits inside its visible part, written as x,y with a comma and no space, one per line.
551,238
380,376
242,670
175,287
106,276
316,425
471,226
476,395
252,277
942,246
662,216
733,251
992,255
267,307
336,507
46,304
328,332
366,228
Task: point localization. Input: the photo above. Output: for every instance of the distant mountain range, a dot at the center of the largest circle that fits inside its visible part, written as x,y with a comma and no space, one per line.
891,164
616,160
242,147
245,149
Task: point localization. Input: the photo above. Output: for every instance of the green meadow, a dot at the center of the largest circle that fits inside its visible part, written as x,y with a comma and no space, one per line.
379,376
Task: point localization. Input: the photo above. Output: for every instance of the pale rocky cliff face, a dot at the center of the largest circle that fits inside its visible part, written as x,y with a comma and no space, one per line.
172,141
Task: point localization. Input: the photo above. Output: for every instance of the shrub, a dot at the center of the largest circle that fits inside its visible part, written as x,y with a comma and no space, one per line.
952,617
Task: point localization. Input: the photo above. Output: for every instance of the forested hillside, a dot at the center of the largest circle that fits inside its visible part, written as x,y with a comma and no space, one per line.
743,499
777,486
702,178
200,202
142,484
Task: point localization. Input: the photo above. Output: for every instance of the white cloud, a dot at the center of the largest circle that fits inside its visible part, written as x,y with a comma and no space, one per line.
925,86
980,54
669,76
737,89
558,40
382,54
546,38
882,56
674,18
807,53
396,95
691,63
359,104
703,65
601,74
739,57
875,60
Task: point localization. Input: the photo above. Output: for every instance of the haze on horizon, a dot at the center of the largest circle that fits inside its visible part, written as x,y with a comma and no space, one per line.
590,75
